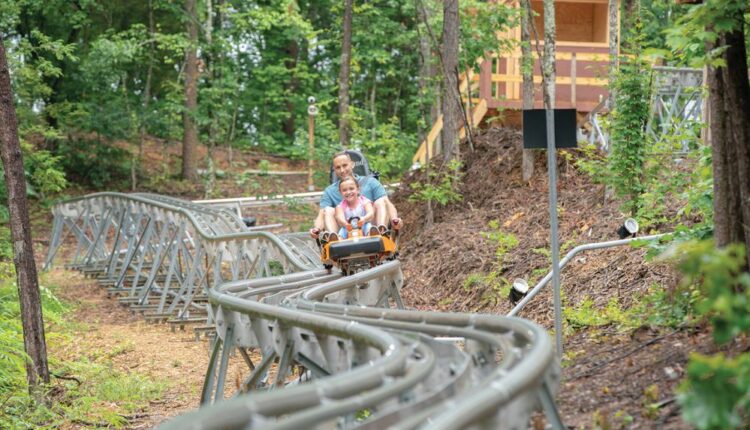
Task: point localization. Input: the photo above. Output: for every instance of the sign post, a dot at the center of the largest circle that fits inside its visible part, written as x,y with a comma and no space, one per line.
312,110
552,173
534,136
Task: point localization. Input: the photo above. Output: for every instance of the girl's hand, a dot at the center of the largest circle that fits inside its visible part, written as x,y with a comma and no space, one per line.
314,232
396,223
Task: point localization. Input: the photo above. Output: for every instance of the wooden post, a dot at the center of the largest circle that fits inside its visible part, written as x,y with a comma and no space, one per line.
573,67
485,79
310,150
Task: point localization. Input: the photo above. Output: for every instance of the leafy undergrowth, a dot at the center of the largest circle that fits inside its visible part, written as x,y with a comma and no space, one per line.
85,390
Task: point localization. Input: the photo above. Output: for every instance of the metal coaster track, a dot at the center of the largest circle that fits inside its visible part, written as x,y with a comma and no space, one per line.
362,360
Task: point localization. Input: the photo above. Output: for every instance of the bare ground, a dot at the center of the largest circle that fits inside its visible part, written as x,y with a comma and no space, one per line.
133,345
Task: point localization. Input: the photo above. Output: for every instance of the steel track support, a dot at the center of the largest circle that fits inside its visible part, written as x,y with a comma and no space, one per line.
550,408
208,381
226,350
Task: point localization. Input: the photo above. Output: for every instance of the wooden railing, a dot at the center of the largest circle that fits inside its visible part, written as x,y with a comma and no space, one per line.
581,78
581,82
474,108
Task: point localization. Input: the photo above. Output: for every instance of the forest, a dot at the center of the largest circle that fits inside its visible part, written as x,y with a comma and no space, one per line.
212,99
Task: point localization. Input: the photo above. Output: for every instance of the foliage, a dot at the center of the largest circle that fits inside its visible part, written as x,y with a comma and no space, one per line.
715,395
494,282
480,23
681,194
689,182
387,148
43,173
586,315
100,395
627,127
44,176
441,188
659,306
93,163
502,241
700,25
12,354
724,286
100,69
715,392
658,15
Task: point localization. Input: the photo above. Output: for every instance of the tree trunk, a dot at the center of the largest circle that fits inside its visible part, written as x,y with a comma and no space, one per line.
292,51
190,133
614,44
527,161
548,63
425,75
211,60
451,96
630,13
146,94
729,91
37,371
373,107
346,58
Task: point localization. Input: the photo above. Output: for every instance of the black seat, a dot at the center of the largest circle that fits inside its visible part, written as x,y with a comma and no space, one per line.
361,166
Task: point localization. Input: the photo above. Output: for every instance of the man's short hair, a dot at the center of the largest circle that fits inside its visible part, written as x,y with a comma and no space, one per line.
342,154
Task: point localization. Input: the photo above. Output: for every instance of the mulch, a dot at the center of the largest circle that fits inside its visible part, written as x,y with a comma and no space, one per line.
438,258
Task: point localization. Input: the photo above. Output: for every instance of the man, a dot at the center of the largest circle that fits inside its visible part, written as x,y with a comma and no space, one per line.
370,187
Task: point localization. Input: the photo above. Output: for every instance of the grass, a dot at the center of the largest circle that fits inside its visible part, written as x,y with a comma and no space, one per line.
83,392
658,307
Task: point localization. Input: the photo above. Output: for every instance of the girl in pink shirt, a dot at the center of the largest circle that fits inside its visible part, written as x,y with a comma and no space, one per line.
353,206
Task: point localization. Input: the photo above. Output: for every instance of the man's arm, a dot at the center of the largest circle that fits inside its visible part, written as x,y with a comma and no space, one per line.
382,203
320,222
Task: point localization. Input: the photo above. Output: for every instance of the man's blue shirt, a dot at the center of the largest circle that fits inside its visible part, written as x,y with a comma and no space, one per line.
369,187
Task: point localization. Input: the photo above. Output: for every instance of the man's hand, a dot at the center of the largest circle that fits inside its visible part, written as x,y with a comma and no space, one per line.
314,232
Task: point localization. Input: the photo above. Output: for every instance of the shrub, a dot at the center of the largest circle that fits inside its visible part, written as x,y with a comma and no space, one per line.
94,163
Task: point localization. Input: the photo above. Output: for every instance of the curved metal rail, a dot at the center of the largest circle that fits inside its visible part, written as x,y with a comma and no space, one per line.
359,362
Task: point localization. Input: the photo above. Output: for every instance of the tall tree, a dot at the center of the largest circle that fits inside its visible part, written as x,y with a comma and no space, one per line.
527,71
630,9
190,132
146,96
614,45
729,106
548,62
346,59
719,25
427,71
451,97
37,371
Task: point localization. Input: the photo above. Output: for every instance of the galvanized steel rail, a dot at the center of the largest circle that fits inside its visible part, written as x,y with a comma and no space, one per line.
360,362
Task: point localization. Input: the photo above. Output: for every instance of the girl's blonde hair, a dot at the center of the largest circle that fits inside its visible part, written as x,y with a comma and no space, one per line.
348,178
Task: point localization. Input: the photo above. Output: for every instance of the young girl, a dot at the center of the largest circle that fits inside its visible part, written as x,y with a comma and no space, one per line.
353,205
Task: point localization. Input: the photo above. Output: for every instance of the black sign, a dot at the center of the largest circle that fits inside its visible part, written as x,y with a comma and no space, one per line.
535,128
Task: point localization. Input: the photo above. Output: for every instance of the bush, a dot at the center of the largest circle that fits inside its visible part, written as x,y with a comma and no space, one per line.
94,163
714,394
441,188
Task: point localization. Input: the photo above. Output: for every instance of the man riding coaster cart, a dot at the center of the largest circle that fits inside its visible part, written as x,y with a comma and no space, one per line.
355,193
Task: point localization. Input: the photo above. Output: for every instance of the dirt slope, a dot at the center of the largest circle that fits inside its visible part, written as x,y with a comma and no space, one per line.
439,258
